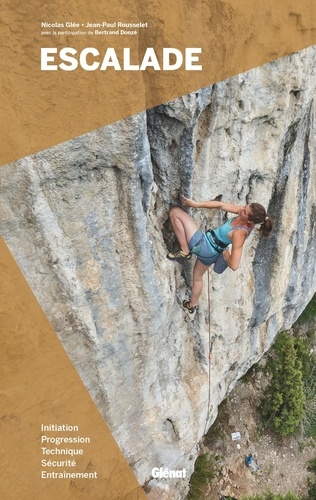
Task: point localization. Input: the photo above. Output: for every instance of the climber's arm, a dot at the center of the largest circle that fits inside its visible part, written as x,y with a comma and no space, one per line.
233,258
227,207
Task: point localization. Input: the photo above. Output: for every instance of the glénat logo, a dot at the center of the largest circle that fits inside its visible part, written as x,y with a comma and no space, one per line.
160,473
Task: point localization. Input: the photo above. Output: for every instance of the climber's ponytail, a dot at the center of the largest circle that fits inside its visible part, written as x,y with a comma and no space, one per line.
260,216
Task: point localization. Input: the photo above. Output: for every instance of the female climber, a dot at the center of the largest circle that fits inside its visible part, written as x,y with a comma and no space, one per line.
211,247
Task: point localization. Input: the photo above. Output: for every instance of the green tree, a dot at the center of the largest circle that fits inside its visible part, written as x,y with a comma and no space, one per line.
302,347
282,404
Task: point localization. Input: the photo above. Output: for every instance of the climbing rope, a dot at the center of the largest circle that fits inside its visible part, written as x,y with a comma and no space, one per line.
210,345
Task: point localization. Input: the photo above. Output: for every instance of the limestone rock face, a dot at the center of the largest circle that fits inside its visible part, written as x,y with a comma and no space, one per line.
87,222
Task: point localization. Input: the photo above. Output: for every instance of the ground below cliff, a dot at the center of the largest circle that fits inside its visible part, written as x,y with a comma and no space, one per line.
283,462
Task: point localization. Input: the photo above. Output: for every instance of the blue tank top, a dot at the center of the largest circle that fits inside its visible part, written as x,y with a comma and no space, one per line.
222,231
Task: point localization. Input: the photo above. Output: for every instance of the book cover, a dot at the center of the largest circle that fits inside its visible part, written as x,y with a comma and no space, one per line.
109,114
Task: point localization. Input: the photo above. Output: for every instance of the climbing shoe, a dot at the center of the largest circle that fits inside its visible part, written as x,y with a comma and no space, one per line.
186,305
179,256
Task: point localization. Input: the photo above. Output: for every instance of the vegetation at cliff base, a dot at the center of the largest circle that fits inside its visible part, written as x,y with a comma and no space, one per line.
206,469
309,313
273,496
288,405
311,482
282,406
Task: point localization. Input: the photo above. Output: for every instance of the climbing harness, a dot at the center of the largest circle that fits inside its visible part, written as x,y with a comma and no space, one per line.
219,244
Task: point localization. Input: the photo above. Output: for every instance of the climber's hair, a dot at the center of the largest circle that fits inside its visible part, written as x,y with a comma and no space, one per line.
260,216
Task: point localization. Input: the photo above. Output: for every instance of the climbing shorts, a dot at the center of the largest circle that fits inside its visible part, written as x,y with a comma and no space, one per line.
201,247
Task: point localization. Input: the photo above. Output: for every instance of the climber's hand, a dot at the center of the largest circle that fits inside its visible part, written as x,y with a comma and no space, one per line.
187,202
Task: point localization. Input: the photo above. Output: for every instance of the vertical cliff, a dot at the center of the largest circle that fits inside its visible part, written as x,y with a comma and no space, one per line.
87,222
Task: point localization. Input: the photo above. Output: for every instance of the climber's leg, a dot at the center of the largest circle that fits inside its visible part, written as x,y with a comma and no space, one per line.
198,271
184,227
